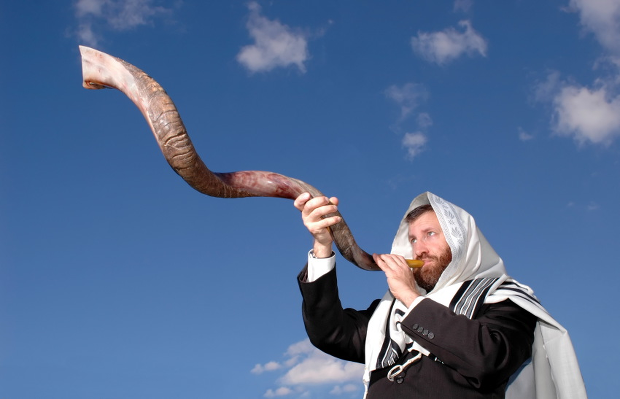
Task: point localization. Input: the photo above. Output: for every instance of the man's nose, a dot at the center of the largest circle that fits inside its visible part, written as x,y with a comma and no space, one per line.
420,248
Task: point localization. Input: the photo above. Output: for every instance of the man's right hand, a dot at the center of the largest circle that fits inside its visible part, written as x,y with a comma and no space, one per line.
313,212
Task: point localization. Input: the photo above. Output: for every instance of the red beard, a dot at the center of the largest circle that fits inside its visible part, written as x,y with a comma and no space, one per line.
427,276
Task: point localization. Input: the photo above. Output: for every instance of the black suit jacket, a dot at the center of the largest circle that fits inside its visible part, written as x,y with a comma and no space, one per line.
471,358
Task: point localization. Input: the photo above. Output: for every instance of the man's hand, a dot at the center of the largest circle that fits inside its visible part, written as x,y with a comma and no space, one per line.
399,277
313,212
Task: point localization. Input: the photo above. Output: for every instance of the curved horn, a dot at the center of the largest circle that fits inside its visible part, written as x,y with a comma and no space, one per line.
100,70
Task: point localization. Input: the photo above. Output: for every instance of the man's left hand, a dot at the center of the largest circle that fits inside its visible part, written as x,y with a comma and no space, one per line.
400,277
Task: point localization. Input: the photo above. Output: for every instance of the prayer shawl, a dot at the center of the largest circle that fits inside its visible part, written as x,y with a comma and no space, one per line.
475,276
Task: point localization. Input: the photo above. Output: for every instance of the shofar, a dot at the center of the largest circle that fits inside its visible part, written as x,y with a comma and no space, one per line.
101,70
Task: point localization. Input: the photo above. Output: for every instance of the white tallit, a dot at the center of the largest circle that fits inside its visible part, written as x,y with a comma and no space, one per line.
552,372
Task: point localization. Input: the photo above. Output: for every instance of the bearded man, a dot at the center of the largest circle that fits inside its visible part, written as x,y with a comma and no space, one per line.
458,327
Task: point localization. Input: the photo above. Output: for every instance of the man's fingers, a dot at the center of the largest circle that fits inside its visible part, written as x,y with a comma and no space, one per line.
323,211
321,224
390,261
316,208
301,201
379,261
305,203
316,212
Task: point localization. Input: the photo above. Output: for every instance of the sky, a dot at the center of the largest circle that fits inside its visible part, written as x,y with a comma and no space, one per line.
119,281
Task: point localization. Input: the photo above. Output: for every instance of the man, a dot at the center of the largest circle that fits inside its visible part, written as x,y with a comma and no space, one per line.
458,327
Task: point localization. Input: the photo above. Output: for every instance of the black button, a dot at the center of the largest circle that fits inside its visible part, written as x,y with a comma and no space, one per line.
415,326
420,329
431,335
399,380
425,332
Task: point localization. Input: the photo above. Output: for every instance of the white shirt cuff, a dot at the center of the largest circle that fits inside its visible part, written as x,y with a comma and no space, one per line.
318,267
413,305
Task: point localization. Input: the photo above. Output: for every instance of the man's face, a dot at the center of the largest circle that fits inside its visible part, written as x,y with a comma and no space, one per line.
429,244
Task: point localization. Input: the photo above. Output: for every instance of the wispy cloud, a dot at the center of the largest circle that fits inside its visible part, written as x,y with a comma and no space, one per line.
463,5
424,120
275,44
524,136
306,368
94,16
447,45
409,97
590,207
282,391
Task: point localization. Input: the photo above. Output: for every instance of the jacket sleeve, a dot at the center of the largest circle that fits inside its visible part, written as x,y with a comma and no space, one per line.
336,331
485,350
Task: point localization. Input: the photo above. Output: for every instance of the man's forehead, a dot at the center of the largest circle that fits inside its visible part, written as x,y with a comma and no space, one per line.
426,220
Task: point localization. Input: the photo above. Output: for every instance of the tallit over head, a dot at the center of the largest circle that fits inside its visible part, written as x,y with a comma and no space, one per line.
553,370
472,255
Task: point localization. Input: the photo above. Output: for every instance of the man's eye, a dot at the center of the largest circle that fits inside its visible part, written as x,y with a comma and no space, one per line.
431,233
413,240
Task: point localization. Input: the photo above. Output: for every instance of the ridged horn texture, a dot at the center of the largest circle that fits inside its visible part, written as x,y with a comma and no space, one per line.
100,70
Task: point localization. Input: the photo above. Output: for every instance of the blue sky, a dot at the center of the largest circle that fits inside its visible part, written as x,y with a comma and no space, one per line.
117,280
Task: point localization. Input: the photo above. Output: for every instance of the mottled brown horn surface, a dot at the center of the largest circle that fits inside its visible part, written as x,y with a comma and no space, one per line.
100,70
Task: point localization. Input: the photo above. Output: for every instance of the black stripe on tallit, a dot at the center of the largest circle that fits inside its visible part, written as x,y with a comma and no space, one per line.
520,291
459,294
387,348
478,292
484,295
468,302
392,355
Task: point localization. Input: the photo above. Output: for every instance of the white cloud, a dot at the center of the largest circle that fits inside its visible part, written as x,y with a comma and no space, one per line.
118,15
299,348
276,45
414,143
587,115
602,17
408,97
320,368
449,44
306,367
271,366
